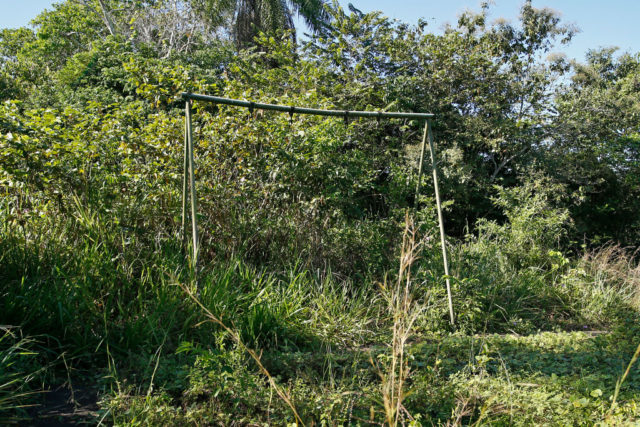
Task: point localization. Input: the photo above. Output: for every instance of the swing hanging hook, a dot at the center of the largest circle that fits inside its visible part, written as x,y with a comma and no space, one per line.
292,110
252,105
379,116
346,117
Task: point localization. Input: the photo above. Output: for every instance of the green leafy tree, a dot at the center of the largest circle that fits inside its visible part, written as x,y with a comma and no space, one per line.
15,71
179,24
30,58
251,17
596,148
488,85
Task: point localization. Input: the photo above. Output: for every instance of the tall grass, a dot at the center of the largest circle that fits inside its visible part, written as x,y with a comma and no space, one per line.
614,274
93,283
235,336
18,369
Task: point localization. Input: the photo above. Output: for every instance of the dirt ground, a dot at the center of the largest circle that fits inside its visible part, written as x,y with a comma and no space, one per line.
65,406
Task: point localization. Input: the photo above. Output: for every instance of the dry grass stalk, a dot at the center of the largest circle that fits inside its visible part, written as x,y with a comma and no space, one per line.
404,312
617,266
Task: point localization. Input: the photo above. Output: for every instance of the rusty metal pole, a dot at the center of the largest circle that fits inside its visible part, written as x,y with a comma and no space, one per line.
434,168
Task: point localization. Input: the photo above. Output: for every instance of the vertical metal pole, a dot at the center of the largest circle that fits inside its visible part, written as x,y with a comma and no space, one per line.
424,142
434,167
192,182
185,173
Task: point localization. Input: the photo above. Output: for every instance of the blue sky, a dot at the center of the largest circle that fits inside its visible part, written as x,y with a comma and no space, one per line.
602,23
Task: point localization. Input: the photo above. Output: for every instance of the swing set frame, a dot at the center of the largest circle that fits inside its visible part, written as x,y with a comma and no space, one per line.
189,183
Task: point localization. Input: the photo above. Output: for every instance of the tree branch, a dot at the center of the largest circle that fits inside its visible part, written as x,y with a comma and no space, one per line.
107,18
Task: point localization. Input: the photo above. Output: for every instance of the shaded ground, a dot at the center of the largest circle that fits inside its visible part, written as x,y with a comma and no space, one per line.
64,406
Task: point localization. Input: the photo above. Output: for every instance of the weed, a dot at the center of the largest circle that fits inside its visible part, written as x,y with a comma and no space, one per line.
235,336
404,311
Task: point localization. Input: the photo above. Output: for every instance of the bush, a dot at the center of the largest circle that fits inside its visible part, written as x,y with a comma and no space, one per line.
510,269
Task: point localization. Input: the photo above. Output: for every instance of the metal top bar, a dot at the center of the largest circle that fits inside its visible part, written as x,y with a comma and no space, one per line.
300,110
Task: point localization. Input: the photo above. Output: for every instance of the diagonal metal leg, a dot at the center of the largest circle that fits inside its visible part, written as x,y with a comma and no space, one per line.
434,168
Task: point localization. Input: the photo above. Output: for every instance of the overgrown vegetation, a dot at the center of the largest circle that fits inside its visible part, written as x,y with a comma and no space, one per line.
314,306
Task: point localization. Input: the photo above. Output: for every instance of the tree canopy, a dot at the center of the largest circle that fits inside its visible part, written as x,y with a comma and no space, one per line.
506,107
